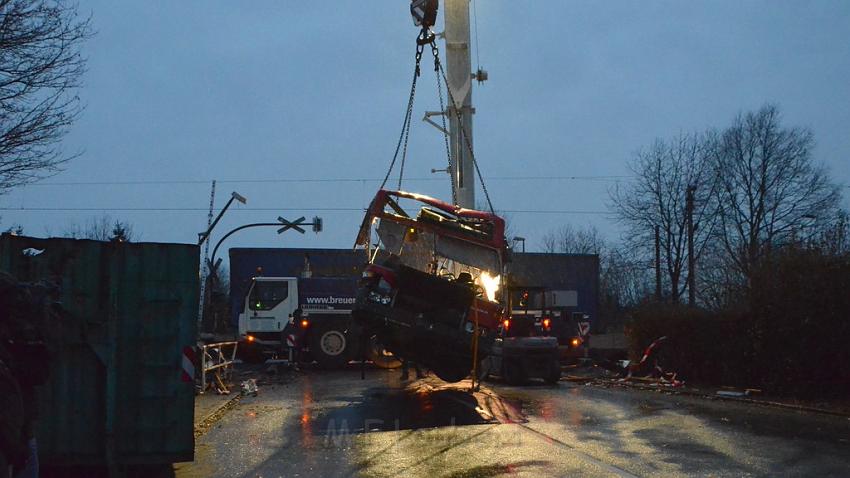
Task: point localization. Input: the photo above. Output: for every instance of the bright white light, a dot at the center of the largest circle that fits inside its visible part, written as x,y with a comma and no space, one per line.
490,285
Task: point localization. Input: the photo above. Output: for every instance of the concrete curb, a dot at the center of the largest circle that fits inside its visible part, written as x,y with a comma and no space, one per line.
208,421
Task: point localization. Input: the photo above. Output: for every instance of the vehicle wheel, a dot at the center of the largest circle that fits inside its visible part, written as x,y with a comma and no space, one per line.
450,373
380,356
485,367
251,355
329,346
514,373
554,375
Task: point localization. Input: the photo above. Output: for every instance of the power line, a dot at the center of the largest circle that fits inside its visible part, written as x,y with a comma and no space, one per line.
144,182
247,209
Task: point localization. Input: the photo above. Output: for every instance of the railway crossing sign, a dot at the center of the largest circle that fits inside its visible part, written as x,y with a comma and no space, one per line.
317,224
296,224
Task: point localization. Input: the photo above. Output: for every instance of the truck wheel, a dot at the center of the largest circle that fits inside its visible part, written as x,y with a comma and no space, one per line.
554,375
514,373
450,373
380,357
251,355
329,346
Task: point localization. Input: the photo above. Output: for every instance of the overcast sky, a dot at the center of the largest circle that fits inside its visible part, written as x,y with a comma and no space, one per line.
180,93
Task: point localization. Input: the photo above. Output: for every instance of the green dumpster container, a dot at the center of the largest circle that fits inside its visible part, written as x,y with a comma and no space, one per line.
118,393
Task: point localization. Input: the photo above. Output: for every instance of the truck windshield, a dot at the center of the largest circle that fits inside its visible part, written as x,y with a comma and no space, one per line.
267,295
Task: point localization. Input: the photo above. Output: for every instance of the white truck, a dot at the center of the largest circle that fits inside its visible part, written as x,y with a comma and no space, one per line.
310,315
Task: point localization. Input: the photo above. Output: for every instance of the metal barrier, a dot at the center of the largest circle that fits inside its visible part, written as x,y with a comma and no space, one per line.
215,360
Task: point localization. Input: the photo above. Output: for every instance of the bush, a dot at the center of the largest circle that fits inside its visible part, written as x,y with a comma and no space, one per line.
792,335
800,307
700,346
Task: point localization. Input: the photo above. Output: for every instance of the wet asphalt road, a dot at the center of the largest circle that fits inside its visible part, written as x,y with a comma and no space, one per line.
334,424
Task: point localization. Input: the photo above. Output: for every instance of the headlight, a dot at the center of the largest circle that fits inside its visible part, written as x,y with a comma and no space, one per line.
380,298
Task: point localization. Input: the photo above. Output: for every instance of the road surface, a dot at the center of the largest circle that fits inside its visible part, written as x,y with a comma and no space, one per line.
334,424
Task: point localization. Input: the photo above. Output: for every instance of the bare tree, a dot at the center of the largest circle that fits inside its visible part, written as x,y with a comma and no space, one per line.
102,228
570,240
769,187
658,197
834,237
40,68
623,278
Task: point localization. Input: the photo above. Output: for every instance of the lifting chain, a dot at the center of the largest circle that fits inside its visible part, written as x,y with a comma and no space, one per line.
405,126
436,53
427,37
441,77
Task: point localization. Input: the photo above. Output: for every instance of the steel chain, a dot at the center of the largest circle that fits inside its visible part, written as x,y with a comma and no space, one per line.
405,126
442,76
436,53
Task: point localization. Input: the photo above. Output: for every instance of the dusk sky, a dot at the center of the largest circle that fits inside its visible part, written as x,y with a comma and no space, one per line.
298,105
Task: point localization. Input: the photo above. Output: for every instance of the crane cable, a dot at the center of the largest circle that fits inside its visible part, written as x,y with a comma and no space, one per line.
443,121
421,40
438,66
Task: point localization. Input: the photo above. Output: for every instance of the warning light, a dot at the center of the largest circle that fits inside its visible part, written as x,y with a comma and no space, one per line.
576,342
546,323
250,338
304,324
507,324
412,235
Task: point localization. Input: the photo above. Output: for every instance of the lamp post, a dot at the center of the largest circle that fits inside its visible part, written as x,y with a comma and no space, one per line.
202,236
282,225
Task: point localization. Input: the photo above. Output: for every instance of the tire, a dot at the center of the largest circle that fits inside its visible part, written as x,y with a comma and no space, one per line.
554,375
513,372
450,373
251,355
329,346
380,357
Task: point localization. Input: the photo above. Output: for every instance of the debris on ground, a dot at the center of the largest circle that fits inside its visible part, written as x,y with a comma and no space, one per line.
249,387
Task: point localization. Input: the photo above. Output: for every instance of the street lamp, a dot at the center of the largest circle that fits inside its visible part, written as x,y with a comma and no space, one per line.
520,239
202,236
282,225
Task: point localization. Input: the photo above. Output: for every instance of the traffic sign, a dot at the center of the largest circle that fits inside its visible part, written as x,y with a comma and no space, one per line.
296,224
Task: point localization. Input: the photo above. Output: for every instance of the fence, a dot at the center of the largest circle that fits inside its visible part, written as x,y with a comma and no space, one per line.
216,358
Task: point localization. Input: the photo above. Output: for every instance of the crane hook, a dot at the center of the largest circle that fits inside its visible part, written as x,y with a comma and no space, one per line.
424,12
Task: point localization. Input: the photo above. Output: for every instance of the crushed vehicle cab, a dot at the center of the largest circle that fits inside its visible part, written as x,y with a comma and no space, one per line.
428,293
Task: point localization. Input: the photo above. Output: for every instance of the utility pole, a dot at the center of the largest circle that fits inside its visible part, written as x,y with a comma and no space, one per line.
459,77
692,277
204,270
657,263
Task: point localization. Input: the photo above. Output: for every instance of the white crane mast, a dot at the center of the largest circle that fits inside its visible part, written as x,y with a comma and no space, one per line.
459,76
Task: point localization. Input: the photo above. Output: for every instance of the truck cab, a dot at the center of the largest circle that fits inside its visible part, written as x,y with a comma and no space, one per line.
310,316
268,309
428,293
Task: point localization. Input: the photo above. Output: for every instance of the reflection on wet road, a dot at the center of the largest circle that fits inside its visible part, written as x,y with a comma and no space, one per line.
334,424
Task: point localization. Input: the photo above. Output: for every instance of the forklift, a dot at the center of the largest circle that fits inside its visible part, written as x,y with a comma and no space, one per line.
525,349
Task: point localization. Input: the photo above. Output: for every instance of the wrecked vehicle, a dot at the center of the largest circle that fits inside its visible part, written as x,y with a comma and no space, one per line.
428,293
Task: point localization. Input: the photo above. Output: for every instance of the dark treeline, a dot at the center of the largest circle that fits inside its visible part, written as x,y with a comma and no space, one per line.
760,297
